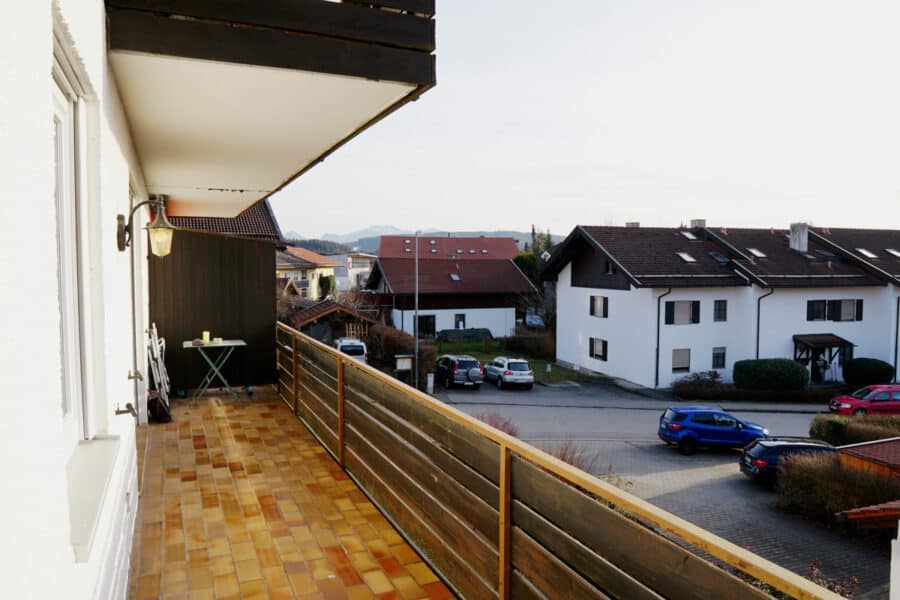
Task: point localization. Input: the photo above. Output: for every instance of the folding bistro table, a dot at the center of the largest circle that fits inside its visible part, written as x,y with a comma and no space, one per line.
215,366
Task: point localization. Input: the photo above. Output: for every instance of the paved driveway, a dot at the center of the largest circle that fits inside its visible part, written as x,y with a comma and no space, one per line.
619,428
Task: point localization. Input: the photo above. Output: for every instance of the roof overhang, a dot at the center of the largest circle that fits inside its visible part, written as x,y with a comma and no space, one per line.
229,102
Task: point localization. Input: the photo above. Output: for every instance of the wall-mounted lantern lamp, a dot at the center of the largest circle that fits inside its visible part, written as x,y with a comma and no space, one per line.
160,230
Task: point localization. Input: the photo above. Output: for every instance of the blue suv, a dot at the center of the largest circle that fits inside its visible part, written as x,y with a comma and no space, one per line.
692,426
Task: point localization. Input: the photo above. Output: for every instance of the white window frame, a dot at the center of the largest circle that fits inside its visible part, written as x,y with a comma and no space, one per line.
70,156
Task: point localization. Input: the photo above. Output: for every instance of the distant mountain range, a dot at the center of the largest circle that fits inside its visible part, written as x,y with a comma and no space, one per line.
366,240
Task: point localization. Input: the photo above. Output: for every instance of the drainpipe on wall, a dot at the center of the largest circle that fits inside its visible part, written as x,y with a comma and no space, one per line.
758,314
658,305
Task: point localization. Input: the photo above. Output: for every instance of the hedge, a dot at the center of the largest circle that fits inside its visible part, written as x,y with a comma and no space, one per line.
868,371
706,387
817,486
773,374
839,430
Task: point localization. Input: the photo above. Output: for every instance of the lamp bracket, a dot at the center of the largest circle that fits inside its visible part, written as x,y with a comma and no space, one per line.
124,232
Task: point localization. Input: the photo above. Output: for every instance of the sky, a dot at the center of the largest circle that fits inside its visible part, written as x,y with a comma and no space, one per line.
596,112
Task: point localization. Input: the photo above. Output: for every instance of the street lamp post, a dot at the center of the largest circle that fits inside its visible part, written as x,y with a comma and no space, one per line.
416,315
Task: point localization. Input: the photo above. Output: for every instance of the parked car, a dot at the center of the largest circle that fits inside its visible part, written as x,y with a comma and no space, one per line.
353,347
691,426
760,458
507,372
461,369
871,400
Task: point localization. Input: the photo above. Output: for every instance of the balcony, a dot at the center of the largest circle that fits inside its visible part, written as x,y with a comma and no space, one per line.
346,483
228,102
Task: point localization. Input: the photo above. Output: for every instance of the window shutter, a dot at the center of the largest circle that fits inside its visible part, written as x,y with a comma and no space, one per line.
810,310
859,309
834,310
695,311
670,313
606,314
604,349
591,305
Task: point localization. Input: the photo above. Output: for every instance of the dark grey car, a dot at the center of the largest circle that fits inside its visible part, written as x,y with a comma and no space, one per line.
461,369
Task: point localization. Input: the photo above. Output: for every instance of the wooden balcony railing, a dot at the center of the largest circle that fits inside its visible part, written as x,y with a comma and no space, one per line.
496,517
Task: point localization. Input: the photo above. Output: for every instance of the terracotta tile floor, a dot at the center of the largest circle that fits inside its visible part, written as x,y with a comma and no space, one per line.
242,502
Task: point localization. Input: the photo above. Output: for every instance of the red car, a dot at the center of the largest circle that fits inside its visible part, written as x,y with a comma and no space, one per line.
871,400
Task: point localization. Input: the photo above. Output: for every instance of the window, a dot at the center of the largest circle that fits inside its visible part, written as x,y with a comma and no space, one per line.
720,258
459,321
834,310
426,326
720,310
724,421
867,253
718,357
815,310
682,312
704,419
756,252
454,276
893,252
686,257
598,348
599,306
681,360
881,397
689,235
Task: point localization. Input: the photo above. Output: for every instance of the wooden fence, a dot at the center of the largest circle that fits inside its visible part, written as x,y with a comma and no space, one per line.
495,516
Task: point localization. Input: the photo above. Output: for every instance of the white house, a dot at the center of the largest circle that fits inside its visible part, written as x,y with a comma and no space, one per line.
353,271
653,305
463,283
105,105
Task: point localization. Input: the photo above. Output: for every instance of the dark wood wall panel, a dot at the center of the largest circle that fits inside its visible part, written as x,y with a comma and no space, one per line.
225,285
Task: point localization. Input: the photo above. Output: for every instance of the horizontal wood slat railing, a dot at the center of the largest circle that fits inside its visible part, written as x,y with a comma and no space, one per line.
495,516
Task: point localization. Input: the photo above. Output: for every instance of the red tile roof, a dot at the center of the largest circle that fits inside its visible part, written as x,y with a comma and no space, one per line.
256,222
474,276
441,248
311,257
885,452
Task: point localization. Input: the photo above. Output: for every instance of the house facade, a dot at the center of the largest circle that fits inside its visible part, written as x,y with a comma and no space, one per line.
305,268
353,271
463,283
206,110
653,305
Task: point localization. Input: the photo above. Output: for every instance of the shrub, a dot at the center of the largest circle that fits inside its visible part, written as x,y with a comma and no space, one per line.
773,374
817,486
384,342
577,455
839,430
868,371
700,389
541,346
498,421
706,385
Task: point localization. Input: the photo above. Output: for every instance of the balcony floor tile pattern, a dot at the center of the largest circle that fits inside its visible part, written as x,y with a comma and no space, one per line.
242,502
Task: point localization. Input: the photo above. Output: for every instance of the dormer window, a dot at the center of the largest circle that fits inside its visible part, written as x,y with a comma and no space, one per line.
756,252
689,235
686,257
867,253
893,252
454,276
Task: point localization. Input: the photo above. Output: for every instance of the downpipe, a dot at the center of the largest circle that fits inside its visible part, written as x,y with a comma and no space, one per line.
658,306
759,314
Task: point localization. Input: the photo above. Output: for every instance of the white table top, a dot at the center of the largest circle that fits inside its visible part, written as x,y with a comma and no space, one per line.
211,344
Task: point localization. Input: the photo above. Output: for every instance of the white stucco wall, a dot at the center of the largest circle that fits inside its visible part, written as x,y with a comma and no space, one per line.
500,321
630,328
783,314
37,444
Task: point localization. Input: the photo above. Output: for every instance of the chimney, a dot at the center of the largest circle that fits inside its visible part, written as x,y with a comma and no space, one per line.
698,223
632,224
799,237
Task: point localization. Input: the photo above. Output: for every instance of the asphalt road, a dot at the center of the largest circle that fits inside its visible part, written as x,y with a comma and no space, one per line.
616,431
